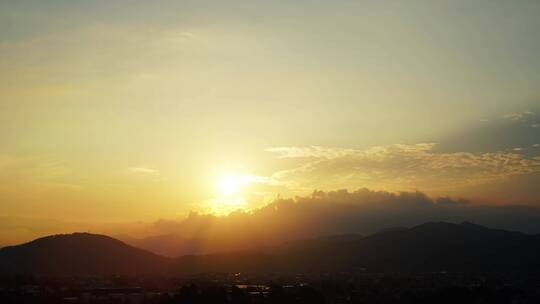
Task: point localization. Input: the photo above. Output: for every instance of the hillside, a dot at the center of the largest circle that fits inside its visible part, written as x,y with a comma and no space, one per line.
430,247
79,254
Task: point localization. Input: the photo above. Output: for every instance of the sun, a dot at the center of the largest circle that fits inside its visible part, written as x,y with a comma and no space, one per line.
232,191
230,184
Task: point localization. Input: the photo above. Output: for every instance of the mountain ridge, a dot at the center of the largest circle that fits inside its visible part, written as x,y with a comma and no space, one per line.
432,246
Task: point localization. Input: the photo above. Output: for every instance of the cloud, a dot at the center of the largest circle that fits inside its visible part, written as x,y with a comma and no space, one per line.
398,167
451,202
320,213
331,213
521,116
308,152
143,170
506,132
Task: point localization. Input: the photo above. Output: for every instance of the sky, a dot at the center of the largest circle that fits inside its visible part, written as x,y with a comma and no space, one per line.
133,111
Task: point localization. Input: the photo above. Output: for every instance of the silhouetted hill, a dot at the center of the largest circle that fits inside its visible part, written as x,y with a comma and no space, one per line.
170,245
79,254
174,245
430,247
425,248
449,247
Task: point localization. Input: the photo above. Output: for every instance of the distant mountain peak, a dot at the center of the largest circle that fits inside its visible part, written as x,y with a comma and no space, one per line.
77,235
448,225
472,225
432,225
78,253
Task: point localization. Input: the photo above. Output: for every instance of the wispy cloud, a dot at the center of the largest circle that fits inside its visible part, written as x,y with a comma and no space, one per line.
520,116
143,170
398,166
308,152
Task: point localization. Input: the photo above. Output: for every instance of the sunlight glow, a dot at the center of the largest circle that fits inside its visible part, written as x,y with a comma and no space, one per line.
231,184
232,191
224,206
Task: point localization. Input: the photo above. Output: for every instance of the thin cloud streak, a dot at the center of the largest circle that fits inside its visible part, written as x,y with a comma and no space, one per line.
521,116
143,170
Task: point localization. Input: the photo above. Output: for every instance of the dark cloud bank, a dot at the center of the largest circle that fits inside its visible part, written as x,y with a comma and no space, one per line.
329,213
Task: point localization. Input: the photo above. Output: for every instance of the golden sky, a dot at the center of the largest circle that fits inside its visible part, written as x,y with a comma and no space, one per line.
139,110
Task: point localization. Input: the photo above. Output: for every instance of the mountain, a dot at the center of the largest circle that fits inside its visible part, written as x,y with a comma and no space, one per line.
170,245
173,245
79,254
448,247
430,247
